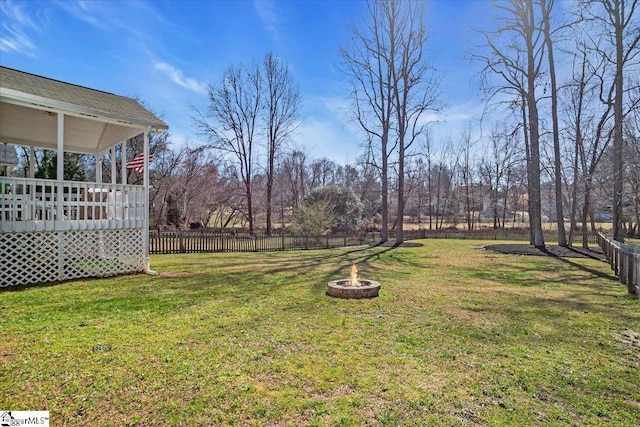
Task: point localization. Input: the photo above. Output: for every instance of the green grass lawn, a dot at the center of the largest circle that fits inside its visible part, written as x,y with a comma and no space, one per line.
458,336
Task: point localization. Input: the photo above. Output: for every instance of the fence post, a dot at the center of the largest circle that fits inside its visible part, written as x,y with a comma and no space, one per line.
623,263
629,273
636,275
622,266
282,235
180,242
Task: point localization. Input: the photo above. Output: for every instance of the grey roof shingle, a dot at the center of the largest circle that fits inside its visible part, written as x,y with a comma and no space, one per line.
77,95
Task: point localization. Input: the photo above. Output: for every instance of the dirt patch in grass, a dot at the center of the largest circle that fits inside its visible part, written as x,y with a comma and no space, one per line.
390,244
555,251
7,354
629,337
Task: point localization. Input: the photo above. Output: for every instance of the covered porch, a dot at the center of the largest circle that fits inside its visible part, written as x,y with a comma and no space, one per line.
52,229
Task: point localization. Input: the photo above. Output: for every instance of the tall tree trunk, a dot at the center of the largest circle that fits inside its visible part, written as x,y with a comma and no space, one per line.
618,232
249,208
586,207
534,134
438,197
400,220
384,221
269,199
527,146
546,11
574,190
505,201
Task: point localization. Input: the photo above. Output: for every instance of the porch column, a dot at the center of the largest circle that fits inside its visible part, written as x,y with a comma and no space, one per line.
98,168
60,192
123,162
145,179
32,162
60,158
113,165
60,168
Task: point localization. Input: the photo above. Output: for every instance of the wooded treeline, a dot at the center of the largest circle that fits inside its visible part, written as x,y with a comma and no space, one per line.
559,139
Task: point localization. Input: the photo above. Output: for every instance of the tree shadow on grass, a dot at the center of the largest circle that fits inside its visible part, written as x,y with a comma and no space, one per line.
237,279
580,266
343,259
584,295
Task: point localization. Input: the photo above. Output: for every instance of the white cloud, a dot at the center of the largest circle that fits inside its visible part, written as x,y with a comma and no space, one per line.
16,22
135,18
268,16
178,78
83,11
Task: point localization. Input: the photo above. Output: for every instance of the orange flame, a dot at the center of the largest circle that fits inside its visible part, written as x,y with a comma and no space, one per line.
353,278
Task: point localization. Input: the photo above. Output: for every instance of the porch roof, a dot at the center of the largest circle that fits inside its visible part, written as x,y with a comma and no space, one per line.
94,120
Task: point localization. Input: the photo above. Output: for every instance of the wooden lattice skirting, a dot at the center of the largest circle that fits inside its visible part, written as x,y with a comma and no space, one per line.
36,257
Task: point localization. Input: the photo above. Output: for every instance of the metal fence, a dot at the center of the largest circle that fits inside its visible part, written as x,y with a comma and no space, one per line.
206,240
173,242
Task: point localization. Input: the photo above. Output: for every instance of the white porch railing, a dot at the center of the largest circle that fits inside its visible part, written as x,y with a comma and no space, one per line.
48,205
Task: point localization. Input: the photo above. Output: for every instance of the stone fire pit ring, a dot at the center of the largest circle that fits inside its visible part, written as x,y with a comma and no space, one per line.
342,289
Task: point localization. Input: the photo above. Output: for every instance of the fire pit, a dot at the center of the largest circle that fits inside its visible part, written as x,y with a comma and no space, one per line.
353,287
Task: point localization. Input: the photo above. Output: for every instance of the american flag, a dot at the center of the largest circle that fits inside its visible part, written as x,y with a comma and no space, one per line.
137,164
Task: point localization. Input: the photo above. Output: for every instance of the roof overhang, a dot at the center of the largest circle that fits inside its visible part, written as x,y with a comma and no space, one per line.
32,120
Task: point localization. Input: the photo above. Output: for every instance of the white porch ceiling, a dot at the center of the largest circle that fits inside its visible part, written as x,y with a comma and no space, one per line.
94,121
31,127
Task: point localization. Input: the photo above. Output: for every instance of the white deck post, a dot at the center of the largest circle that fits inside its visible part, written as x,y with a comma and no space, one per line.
113,165
123,162
98,168
32,161
145,179
60,167
59,191
60,151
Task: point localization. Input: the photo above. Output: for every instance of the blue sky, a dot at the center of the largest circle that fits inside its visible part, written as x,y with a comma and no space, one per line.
166,52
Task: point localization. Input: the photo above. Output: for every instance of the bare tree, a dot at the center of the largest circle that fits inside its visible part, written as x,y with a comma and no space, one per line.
366,62
415,88
166,164
198,187
392,87
546,7
588,127
515,56
368,190
294,168
632,133
322,172
426,152
282,104
466,169
618,20
496,171
233,111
